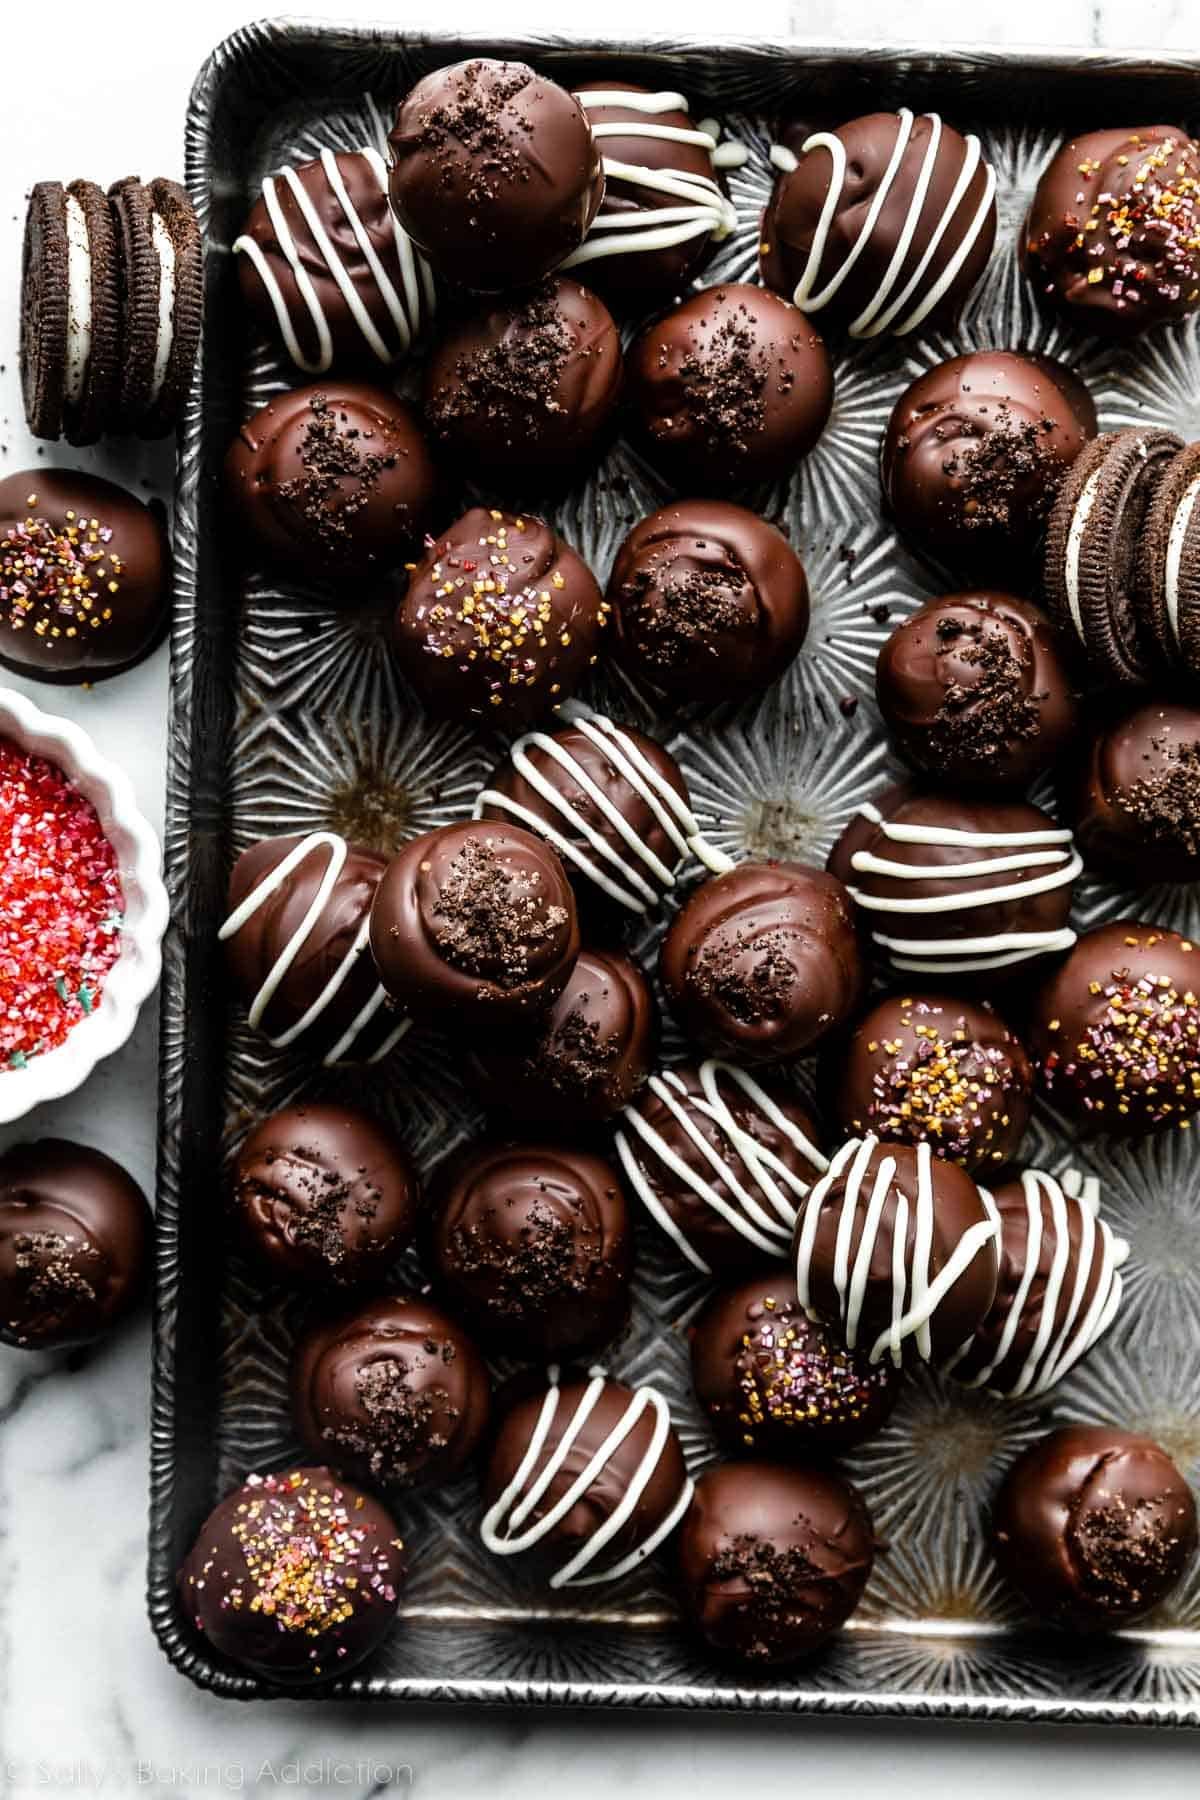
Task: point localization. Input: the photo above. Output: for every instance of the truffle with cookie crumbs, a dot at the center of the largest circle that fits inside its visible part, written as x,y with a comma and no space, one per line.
1134,800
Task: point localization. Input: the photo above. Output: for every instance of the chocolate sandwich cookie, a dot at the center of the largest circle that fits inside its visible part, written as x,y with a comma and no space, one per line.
162,263
70,312
1169,585
1093,545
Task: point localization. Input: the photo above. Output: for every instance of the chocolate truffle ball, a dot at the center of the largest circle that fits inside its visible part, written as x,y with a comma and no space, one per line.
772,1561
1094,1526
584,1526
309,981
930,1066
334,480
522,390
775,1383
501,620
733,386
1059,1288
75,1234
763,962
294,1575
721,1161
1135,799
961,889
474,925
532,1244
611,800
709,602
974,689
85,576
495,173
586,1057
897,1251
884,225
664,206
324,1195
394,1392
1116,1030
354,292
974,454
1112,239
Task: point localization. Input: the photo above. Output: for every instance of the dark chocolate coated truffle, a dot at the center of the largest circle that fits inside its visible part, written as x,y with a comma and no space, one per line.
1135,799
85,576
884,225
75,1234
921,1065
974,454
721,1160
710,602
495,173
584,1528
1116,1030
501,620
1094,1526
474,925
334,480
733,386
522,390
532,1244
395,1393
763,962
772,1561
960,889
1113,234
323,1194
313,999
357,292
294,1575
588,1054
974,689
775,1383
902,1222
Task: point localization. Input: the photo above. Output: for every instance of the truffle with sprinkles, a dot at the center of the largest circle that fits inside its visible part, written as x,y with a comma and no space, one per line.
500,621
84,576
295,1575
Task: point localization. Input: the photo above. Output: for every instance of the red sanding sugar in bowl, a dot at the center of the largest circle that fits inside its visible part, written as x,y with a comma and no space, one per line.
60,906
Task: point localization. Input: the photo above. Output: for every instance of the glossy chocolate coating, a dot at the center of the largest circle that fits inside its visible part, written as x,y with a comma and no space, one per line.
775,1383
734,386
335,480
588,1054
532,1244
1112,238
973,689
394,1392
81,597
1134,801
927,1065
324,1194
75,1236
474,925
710,602
294,1575
974,454
1094,1526
521,390
495,173
458,635
1116,1030
764,961
773,1560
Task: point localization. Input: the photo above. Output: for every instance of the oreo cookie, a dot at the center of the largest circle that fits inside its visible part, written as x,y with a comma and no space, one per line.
163,269
70,312
1170,565
1093,551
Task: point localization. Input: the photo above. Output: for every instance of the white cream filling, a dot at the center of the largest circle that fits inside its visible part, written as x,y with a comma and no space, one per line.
1083,512
1180,525
165,333
79,301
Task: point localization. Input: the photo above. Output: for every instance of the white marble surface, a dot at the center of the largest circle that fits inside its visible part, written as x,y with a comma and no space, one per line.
87,1703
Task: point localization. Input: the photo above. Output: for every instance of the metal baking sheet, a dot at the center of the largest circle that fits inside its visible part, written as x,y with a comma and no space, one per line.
286,715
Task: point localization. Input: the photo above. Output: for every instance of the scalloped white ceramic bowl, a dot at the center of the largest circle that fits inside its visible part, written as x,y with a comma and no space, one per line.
139,856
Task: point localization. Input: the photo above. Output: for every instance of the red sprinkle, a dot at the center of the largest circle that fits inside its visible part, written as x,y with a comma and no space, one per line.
61,906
